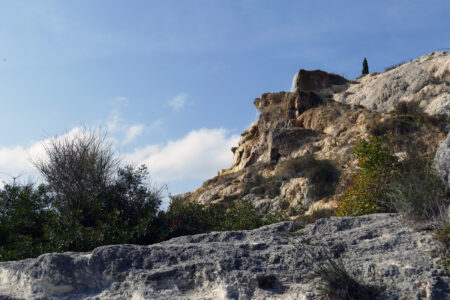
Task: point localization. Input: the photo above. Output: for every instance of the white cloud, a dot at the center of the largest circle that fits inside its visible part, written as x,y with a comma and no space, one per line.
116,124
15,161
178,101
133,132
198,155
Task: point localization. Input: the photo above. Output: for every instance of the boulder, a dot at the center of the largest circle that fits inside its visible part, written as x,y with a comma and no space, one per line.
316,80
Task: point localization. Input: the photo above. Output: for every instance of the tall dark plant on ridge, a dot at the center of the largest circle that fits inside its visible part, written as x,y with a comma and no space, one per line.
365,68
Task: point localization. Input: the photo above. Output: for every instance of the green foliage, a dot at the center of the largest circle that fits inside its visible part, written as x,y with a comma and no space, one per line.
23,216
373,156
367,193
89,201
242,215
411,187
365,68
337,283
186,218
121,213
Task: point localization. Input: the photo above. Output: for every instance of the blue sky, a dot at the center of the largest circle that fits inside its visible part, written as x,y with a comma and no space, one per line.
174,81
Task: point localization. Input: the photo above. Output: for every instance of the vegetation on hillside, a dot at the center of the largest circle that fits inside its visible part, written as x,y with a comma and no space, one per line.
89,200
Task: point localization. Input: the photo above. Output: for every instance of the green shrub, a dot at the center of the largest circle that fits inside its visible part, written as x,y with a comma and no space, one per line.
242,215
24,211
186,218
367,193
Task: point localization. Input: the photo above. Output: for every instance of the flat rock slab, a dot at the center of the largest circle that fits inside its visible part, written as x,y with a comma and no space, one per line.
272,262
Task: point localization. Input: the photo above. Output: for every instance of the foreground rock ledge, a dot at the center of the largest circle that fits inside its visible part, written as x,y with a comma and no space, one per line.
271,262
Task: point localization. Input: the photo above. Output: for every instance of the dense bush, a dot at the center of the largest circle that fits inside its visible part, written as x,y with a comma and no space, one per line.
185,218
368,191
77,169
411,187
24,215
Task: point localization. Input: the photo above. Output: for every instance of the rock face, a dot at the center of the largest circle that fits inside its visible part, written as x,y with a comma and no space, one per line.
425,79
270,262
442,161
324,115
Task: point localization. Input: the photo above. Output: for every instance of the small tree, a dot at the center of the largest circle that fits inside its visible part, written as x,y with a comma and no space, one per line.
78,168
365,68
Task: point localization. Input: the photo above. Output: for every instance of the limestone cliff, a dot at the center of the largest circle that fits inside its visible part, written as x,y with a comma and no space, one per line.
322,118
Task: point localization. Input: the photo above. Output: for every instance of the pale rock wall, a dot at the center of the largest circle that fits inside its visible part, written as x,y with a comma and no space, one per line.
425,79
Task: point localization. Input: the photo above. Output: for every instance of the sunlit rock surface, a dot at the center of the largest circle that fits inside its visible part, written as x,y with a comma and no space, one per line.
325,114
425,79
272,262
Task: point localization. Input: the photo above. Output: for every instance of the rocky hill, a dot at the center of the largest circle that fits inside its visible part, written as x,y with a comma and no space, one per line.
322,117
295,159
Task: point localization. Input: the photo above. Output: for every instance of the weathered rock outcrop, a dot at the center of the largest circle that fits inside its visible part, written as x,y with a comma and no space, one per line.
324,115
271,262
425,79
442,161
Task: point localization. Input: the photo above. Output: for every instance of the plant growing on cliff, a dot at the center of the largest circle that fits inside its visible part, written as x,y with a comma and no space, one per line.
365,67
367,193
417,191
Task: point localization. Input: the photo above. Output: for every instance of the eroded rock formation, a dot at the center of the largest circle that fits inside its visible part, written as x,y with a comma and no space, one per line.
324,115
425,79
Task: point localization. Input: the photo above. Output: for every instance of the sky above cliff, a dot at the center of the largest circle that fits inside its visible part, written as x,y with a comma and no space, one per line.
173,82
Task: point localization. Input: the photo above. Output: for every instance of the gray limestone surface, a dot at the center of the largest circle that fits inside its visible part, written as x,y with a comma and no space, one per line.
442,161
272,262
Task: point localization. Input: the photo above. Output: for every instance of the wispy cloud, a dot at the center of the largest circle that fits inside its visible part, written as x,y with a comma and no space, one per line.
179,101
132,132
198,155
117,125
120,101
18,160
